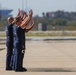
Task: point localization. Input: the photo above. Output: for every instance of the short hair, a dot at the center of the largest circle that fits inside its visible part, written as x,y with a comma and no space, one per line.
10,18
16,19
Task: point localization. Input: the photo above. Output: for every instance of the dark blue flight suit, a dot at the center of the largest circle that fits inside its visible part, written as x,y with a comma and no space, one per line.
9,44
17,53
23,43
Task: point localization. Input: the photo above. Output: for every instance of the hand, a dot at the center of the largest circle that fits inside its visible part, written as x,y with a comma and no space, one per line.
30,13
24,15
18,12
33,22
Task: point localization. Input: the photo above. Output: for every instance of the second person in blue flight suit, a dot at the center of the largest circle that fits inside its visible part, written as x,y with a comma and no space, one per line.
18,46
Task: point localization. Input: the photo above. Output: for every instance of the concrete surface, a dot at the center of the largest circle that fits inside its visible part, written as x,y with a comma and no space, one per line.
45,58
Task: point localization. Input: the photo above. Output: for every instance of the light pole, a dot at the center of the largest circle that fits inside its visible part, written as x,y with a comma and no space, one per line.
22,4
26,6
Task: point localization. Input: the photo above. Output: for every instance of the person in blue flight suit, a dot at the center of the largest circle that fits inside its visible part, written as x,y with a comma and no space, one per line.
18,46
25,30
9,42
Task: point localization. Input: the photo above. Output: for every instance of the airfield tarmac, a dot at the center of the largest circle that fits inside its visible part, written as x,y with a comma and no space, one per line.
53,57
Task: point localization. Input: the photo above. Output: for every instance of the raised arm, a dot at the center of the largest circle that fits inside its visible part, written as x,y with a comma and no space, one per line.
26,21
31,26
24,15
19,12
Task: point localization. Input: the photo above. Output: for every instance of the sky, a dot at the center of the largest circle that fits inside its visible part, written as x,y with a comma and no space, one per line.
38,6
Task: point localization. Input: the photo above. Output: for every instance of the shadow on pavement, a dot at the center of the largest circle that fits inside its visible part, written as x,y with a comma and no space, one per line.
2,49
50,70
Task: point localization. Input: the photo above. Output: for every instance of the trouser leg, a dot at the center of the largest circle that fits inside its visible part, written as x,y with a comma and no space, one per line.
17,60
8,57
22,60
